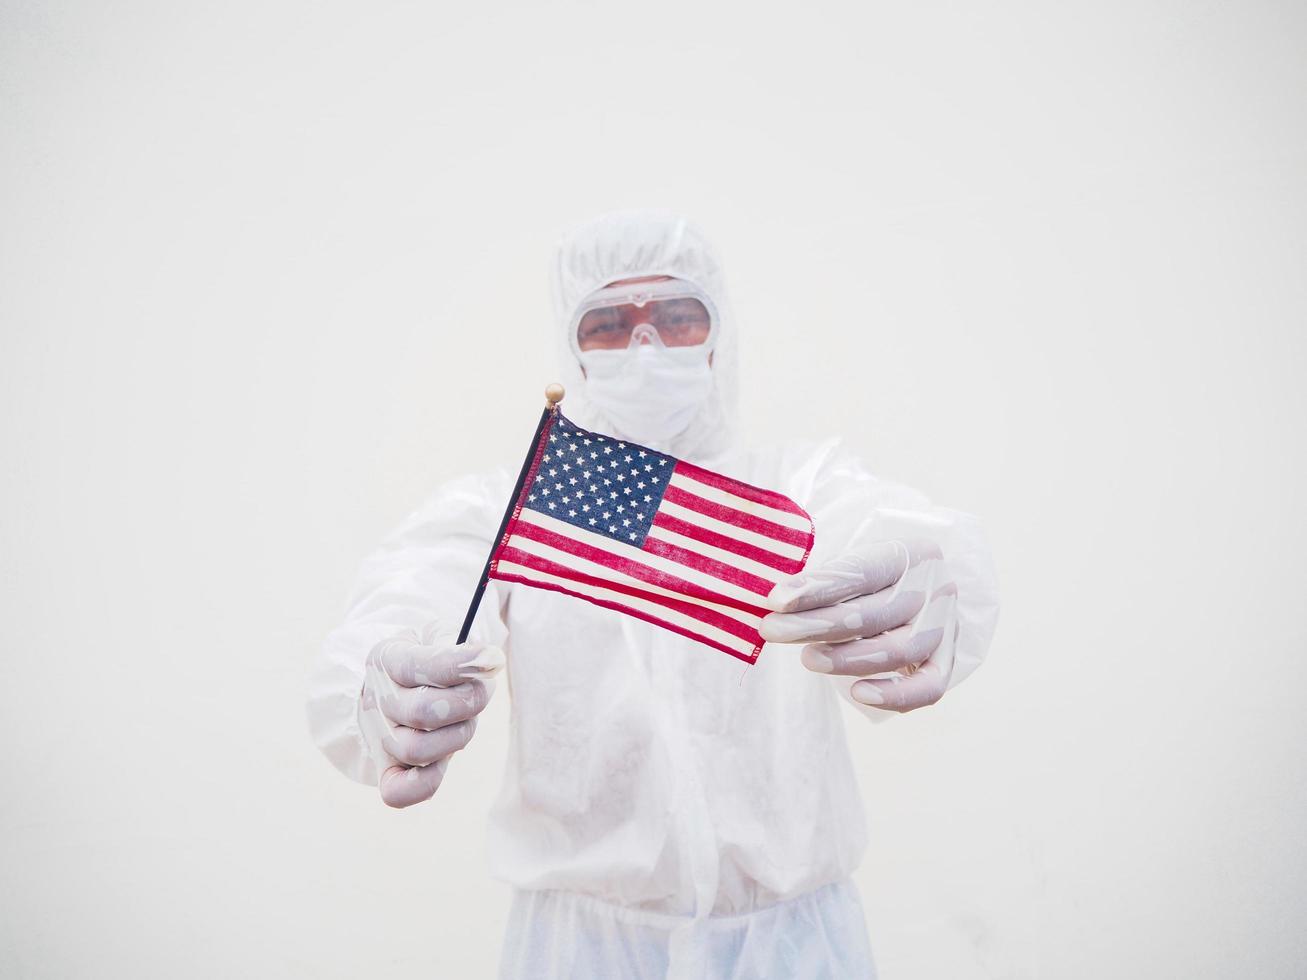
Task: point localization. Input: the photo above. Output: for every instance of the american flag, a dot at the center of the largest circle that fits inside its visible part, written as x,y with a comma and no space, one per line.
652,536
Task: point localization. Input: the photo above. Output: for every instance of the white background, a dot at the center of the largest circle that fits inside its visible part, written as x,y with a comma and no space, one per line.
271,271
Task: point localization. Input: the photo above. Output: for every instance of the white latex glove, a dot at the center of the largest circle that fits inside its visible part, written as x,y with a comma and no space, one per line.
419,705
888,609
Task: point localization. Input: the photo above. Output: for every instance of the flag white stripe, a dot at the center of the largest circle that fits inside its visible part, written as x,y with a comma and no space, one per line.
604,543
718,554
731,531
634,602
587,567
783,517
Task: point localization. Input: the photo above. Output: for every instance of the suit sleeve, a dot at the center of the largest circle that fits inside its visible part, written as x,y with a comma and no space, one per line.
421,577
851,508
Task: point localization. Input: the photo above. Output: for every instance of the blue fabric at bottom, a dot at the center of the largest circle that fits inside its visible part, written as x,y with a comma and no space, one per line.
554,935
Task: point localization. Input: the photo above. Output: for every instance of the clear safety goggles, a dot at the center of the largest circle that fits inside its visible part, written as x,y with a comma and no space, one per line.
670,313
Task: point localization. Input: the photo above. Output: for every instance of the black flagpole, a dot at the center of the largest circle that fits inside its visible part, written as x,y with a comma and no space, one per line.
553,395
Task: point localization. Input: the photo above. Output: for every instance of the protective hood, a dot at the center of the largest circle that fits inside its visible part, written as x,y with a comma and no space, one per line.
624,245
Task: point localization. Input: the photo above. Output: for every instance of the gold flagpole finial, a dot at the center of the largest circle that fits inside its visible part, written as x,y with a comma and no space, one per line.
553,395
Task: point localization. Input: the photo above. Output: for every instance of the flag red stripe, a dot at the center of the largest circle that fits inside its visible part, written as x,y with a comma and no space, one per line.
639,570
718,569
768,498
721,621
759,525
726,543
747,658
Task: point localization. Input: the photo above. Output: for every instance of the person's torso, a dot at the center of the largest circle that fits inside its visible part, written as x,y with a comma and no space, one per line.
655,772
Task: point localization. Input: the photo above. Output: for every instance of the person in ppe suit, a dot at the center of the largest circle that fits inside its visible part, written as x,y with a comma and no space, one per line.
659,817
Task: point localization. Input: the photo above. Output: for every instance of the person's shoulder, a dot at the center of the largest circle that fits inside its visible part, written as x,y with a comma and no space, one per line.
465,495
497,480
798,464
794,454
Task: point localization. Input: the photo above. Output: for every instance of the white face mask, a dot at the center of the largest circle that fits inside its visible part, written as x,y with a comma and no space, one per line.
650,393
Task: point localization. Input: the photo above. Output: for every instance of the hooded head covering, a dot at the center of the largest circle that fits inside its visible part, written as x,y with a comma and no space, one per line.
625,245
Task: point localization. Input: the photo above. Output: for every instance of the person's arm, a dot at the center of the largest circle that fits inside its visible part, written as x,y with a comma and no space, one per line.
397,641
908,592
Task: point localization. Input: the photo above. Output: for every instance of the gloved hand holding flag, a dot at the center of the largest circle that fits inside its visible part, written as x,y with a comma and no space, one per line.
646,534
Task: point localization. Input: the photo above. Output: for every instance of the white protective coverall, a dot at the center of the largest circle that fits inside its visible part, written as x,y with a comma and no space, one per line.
658,816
